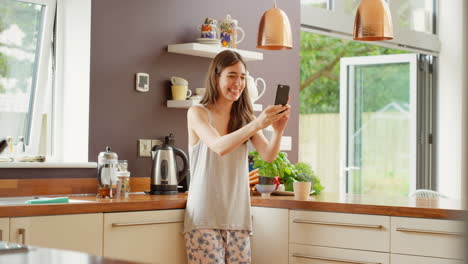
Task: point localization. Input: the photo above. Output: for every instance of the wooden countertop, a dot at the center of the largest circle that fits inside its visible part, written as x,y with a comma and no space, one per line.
359,204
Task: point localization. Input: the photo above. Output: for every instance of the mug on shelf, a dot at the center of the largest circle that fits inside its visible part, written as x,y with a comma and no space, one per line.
178,81
180,92
228,32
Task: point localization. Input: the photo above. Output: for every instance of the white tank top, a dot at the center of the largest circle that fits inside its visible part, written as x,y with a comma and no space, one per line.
219,195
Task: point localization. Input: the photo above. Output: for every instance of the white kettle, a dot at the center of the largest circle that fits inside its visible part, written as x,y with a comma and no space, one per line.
252,85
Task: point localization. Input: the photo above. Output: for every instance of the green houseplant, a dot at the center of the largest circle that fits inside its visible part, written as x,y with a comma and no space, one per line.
289,173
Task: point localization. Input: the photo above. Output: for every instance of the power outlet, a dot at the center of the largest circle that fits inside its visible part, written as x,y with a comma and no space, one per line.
156,142
144,147
286,143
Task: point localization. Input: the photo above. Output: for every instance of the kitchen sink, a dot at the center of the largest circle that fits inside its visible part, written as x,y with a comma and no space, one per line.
22,200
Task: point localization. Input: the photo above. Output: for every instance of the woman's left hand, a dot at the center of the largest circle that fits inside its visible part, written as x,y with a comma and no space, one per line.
280,125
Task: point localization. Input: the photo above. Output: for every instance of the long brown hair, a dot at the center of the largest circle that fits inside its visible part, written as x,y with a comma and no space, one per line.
241,112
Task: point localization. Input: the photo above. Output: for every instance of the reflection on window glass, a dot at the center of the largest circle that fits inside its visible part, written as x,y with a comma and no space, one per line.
350,6
415,14
316,3
20,25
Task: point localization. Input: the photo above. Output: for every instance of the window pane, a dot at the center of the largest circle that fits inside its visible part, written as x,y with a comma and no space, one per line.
316,3
350,6
379,150
20,33
415,14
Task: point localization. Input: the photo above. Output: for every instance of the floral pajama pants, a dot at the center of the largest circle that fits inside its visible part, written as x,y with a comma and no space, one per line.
216,246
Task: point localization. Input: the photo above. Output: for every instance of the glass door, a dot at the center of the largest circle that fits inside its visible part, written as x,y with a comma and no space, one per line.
378,115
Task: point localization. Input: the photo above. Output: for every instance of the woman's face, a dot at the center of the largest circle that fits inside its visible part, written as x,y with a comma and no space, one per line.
231,81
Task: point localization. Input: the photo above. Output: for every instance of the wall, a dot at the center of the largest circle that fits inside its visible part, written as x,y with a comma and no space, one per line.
450,98
132,36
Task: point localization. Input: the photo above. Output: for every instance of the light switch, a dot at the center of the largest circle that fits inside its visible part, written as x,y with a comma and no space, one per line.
286,143
144,147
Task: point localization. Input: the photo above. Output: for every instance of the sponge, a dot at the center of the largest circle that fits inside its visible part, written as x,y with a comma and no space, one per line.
48,200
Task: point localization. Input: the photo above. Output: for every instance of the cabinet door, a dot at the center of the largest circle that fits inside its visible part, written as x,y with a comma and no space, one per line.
405,259
80,232
4,229
269,242
353,231
303,254
427,237
149,236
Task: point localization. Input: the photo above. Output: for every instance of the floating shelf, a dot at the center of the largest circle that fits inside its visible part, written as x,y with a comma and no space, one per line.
185,104
181,103
208,51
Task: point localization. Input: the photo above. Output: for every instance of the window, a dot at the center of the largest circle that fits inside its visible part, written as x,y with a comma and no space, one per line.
46,81
25,44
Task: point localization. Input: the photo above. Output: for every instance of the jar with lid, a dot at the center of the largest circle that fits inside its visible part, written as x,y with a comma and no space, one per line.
107,173
123,180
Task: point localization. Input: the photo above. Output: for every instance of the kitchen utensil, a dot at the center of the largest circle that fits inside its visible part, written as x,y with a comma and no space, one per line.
253,87
180,92
178,81
165,175
107,172
228,32
265,190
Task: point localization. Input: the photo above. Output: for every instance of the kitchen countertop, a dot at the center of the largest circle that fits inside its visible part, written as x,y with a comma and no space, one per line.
360,204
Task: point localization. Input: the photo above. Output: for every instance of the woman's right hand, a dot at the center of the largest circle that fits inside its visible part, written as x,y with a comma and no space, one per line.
270,115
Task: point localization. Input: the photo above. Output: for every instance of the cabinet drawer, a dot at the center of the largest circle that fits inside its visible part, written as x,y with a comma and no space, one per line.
354,231
4,229
427,237
302,254
148,236
405,259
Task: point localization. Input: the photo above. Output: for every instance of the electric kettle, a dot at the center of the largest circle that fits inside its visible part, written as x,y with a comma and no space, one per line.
165,175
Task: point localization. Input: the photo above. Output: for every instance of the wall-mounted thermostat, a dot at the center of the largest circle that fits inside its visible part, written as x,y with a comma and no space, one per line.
142,82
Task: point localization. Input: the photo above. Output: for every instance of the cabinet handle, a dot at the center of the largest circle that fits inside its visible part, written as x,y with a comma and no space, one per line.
1,235
410,230
333,259
300,221
22,233
146,223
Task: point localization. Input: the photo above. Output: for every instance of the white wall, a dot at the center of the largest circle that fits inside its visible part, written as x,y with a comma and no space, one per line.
450,97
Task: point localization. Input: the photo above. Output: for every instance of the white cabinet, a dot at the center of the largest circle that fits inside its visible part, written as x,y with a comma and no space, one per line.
304,254
427,237
148,236
80,232
4,229
340,230
269,242
405,259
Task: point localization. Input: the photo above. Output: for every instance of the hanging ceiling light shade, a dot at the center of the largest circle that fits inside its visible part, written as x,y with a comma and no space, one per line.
373,21
274,30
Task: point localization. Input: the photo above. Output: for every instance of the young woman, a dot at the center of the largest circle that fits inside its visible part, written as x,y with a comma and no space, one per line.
217,219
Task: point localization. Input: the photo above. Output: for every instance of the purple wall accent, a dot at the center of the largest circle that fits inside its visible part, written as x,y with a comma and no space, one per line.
132,36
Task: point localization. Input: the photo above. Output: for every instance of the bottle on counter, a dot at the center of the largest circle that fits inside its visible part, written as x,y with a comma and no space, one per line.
123,179
20,149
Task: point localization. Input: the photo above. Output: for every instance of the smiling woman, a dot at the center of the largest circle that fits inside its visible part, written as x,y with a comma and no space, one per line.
44,85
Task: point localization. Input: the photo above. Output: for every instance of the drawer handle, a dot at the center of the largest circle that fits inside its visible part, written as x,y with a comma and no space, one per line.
333,259
410,230
145,223
300,221
22,233
1,235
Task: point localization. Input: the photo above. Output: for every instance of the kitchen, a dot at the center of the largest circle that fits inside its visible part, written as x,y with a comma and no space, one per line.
129,37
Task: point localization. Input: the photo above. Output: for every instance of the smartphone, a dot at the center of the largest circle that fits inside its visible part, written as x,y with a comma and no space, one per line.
282,94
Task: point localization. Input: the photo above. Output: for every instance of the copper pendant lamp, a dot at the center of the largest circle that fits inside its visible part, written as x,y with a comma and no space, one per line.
373,21
274,30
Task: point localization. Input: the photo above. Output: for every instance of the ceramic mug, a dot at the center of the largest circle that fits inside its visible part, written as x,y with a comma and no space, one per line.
228,32
178,81
302,190
210,21
180,92
206,27
252,85
208,34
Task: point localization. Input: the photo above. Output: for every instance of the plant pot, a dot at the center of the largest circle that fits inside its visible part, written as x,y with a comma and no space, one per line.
264,180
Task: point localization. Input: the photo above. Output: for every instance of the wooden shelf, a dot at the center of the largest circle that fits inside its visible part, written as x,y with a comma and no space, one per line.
208,51
186,104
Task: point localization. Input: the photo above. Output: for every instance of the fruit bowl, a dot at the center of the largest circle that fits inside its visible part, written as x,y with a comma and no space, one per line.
265,189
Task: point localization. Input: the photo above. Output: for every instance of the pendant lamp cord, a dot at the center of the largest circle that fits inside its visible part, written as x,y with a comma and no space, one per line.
275,3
